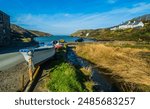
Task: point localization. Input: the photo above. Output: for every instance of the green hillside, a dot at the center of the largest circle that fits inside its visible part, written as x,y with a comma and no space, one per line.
131,34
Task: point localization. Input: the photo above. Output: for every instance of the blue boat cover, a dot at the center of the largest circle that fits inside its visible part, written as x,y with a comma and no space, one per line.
41,44
24,50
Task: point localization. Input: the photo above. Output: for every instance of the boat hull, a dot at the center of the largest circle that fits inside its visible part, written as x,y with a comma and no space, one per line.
40,55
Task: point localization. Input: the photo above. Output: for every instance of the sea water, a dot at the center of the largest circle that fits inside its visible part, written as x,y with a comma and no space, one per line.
59,37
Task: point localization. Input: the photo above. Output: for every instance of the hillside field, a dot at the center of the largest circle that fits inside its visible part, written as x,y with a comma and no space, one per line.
126,67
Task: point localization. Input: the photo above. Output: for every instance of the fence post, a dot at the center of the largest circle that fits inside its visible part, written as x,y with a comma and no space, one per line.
30,68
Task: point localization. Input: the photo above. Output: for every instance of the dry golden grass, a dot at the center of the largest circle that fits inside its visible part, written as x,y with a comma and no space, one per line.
88,83
127,64
26,40
86,72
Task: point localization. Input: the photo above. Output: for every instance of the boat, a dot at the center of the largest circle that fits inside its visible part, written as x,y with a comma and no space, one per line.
57,44
79,40
38,54
62,41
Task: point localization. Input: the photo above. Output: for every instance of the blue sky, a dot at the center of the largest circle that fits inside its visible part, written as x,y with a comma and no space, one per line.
67,16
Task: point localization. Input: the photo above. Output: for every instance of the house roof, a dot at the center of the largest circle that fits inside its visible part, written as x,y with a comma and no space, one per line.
135,23
132,23
128,23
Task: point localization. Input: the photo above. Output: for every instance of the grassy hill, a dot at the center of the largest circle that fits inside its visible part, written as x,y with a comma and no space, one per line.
20,34
135,34
39,33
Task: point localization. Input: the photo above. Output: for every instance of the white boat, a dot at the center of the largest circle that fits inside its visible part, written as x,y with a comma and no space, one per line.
39,54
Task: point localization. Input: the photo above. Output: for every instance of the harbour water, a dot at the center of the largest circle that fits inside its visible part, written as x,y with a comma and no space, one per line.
58,37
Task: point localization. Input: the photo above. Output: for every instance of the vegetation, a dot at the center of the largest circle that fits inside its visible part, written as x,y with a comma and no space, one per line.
26,40
129,44
88,83
20,35
135,34
127,68
64,77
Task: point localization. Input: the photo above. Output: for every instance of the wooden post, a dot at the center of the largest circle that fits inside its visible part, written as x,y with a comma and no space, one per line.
30,68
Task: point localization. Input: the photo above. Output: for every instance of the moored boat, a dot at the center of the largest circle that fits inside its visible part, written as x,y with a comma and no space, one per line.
79,40
58,44
39,54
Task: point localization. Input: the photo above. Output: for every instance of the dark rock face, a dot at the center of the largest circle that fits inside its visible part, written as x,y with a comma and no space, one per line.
4,29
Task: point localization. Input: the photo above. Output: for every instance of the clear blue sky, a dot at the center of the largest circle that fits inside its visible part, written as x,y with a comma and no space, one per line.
67,16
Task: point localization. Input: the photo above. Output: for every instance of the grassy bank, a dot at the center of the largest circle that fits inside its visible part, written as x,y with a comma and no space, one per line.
64,77
127,68
129,44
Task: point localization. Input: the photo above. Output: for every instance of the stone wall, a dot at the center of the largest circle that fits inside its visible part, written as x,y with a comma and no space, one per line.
4,29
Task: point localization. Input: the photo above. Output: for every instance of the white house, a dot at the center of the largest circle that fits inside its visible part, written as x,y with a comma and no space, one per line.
138,24
114,28
129,25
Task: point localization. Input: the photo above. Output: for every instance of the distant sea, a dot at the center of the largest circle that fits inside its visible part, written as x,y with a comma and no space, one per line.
58,37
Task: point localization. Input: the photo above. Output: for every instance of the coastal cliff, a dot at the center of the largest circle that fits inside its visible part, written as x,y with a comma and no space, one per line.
21,35
21,32
39,33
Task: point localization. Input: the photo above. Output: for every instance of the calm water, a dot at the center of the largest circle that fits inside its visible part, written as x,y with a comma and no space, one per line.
58,37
